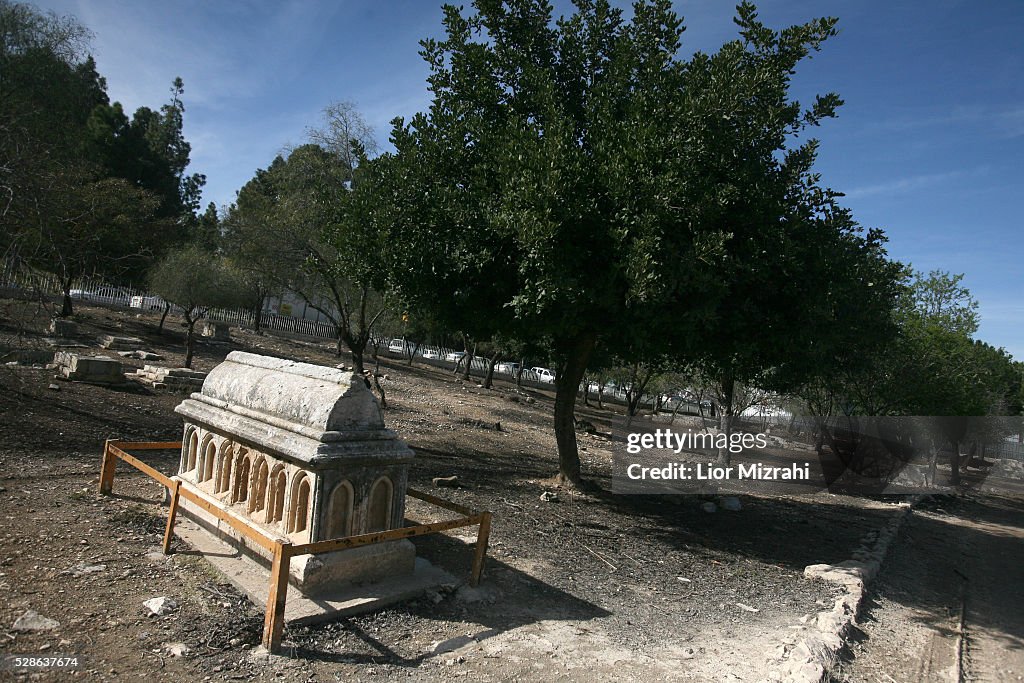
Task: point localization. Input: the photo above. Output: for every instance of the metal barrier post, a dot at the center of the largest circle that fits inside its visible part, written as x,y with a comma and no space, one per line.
169,532
107,468
482,537
273,622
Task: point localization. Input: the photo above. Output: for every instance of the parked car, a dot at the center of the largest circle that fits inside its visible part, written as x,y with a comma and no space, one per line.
431,354
82,294
507,368
397,346
543,375
455,356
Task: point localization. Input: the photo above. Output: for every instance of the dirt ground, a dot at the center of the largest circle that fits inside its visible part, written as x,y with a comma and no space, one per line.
588,587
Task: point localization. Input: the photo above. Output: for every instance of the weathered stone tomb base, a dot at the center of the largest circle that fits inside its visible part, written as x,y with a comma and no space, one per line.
250,573
313,575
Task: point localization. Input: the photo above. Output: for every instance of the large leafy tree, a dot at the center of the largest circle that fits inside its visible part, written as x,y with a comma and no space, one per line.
310,224
577,181
74,169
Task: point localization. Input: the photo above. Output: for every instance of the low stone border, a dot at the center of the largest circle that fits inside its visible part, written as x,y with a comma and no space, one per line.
814,650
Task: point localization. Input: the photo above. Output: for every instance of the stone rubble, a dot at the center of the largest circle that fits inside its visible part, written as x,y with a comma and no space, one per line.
33,621
114,343
93,369
177,378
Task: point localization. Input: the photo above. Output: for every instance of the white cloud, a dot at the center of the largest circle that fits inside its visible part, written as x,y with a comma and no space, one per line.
913,183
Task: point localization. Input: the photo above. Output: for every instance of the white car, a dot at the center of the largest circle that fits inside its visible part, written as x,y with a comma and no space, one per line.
81,294
507,368
455,356
544,375
431,354
397,346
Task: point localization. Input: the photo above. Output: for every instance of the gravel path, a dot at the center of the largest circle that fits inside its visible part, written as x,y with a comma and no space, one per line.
948,604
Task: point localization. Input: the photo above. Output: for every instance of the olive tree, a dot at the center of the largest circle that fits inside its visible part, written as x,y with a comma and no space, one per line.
195,281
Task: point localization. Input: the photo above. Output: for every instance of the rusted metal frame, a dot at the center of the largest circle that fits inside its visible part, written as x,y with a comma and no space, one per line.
113,452
380,537
147,445
141,466
171,514
483,535
264,540
439,502
283,551
273,619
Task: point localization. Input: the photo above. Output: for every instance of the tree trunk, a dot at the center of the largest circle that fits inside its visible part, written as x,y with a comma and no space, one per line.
470,355
190,341
67,310
954,463
257,315
357,355
566,388
519,373
412,352
725,418
600,397
489,379
163,317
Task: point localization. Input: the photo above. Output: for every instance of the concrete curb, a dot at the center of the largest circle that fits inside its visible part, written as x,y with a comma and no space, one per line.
813,651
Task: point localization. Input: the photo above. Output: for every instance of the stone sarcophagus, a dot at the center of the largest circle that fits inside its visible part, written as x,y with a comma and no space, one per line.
301,452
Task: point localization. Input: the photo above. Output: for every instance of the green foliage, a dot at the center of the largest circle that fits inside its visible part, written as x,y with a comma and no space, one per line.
578,181
311,224
196,281
83,190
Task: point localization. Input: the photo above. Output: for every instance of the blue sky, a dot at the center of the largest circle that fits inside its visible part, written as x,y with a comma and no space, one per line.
928,145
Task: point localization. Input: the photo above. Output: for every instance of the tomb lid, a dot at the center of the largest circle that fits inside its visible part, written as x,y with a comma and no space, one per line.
312,398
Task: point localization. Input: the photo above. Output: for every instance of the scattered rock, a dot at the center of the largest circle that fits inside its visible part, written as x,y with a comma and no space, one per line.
82,568
161,606
730,503
747,608
708,506
446,482
53,387
585,426
549,497
176,649
33,621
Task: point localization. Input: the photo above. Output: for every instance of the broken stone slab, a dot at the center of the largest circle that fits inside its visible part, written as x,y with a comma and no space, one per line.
114,343
93,369
63,328
33,621
215,330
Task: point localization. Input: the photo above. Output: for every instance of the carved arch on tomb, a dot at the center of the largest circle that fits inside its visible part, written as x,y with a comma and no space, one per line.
276,495
258,485
225,461
298,510
378,509
243,463
190,447
207,449
339,511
